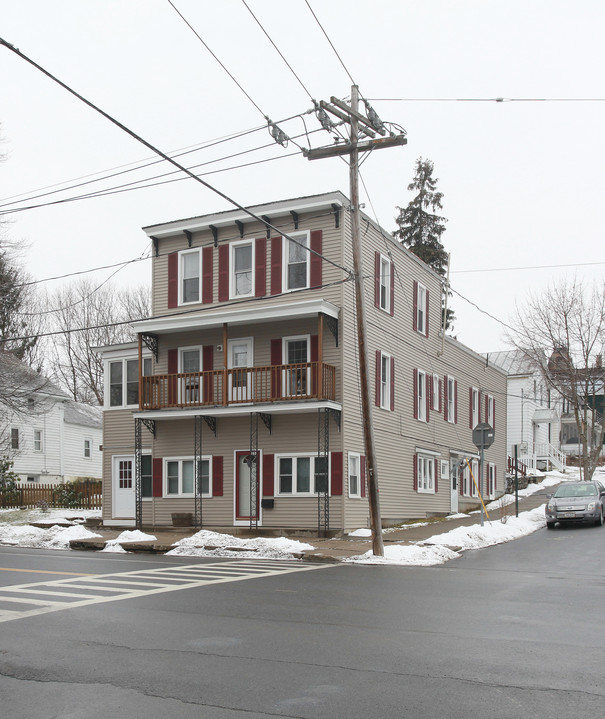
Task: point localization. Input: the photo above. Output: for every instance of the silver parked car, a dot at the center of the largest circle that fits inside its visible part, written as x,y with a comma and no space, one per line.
577,502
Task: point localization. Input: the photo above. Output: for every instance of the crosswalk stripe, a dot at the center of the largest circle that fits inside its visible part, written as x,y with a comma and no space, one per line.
138,583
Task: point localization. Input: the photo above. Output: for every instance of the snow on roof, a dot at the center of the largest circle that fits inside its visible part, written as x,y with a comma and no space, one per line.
19,379
83,414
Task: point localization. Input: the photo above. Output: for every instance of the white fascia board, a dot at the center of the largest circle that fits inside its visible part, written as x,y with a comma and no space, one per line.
298,407
122,351
240,316
222,219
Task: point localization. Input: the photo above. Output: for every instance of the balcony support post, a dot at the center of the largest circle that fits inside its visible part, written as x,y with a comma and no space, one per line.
321,472
320,359
225,362
197,457
253,465
138,455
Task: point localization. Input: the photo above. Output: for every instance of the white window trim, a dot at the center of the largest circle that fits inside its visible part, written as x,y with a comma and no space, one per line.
181,301
444,470
385,401
360,479
40,449
476,395
451,400
491,481
107,388
294,493
180,493
192,348
384,260
285,241
490,410
421,397
435,395
89,456
232,246
421,292
475,470
425,460
466,480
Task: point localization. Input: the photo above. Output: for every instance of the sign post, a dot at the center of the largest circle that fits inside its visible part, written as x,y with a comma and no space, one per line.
483,437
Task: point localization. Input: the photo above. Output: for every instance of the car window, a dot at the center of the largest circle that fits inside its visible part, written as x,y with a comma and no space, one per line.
576,490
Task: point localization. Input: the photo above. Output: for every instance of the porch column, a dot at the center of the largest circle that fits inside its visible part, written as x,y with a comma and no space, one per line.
140,338
225,362
320,352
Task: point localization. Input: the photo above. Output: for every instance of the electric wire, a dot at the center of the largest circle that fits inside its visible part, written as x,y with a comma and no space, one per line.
331,43
162,154
279,52
487,99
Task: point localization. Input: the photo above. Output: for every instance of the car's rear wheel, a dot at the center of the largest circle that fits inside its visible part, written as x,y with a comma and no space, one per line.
550,525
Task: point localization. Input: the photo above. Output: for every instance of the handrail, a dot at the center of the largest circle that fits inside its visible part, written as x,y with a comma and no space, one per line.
239,385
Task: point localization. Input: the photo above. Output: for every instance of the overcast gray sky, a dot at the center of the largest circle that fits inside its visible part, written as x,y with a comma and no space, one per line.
522,180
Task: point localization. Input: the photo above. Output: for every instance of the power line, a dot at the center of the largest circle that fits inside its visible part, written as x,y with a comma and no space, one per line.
331,43
166,157
532,267
279,52
487,99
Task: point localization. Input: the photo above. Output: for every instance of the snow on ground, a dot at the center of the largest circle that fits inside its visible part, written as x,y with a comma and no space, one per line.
551,478
437,549
128,535
53,537
264,547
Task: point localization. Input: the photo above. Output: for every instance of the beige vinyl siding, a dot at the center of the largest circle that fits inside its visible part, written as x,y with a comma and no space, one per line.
290,434
331,247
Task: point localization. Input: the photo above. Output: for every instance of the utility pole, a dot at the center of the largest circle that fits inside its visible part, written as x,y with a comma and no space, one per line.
369,127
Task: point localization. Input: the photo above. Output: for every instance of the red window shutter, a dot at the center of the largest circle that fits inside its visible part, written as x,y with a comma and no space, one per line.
440,396
415,473
217,476
415,388
445,397
362,472
316,260
377,279
436,476
470,407
276,265
392,383
207,275
173,368
260,271
156,476
455,401
223,273
486,407
426,317
336,472
494,411
268,475
392,289
173,280
378,373
479,407
415,306
276,360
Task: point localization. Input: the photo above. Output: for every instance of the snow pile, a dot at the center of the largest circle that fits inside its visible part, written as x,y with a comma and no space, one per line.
54,537
361,533
129,535
228,546
409,554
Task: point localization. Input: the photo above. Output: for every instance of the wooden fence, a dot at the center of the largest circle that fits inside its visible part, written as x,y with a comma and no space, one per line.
78,495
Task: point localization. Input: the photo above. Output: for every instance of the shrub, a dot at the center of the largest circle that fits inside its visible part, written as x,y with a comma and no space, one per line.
9,489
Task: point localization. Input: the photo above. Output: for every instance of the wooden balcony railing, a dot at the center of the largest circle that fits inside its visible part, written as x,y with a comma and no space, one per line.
243,385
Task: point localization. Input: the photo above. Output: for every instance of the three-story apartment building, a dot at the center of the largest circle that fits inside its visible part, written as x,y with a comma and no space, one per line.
240,403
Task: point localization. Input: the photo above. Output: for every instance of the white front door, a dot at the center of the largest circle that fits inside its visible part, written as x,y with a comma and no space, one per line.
454,489
240,379
123,488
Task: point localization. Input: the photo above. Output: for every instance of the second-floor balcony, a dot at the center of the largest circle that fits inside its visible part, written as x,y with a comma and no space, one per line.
241,385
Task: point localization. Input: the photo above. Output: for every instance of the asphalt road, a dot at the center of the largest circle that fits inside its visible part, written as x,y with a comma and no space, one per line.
511,631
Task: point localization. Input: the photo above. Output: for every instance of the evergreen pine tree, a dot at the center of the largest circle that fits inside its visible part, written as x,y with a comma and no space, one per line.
420,227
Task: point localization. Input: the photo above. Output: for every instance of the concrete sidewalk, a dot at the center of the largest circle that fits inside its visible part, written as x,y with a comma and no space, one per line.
325,550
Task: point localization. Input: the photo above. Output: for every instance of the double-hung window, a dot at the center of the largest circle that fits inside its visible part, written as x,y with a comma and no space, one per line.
384,283
355,478
296,262
422,395
242,269
421,303
474,408
87,448
124,381
14,438
426,473
435,398
190,276
297,376
300,475
465,479
384,378
180,477
450,408
475,477
38,440
490,410
491,480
